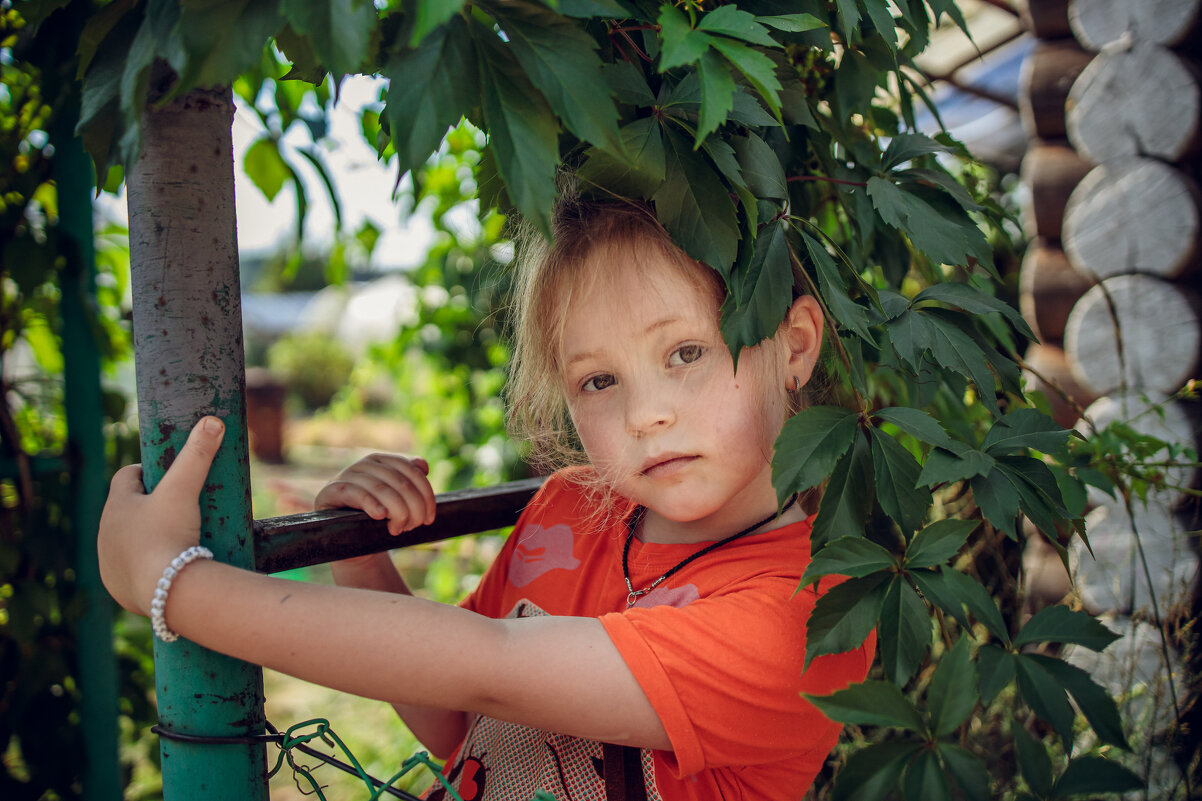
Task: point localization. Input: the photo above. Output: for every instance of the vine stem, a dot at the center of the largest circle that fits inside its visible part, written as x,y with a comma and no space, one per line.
1055,385
1157,620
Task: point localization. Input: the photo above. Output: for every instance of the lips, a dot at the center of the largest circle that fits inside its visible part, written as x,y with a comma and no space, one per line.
665,465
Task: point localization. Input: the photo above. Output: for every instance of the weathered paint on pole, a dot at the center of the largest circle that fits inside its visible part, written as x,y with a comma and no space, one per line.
97,675
189,359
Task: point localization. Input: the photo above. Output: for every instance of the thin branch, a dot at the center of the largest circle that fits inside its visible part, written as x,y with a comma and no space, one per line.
1156,618
1054,385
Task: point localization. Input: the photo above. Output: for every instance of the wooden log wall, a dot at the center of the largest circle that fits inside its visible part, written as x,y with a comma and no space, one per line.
1111,282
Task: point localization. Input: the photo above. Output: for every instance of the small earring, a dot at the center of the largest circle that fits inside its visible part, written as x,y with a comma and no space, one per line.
796,384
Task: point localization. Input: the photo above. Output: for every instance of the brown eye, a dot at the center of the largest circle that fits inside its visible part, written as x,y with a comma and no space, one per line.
685,354
598,383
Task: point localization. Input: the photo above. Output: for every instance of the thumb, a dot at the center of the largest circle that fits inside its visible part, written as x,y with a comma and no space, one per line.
187,473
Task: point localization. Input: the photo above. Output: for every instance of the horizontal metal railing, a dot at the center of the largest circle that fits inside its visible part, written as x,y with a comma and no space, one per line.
312,538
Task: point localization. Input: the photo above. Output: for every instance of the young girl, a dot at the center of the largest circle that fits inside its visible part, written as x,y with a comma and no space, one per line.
647,598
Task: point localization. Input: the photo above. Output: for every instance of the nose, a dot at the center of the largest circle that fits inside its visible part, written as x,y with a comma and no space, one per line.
648,409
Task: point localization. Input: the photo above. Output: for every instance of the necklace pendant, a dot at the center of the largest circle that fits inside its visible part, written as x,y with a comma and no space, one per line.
633,596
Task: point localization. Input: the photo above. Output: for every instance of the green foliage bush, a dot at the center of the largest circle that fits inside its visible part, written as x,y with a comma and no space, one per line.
314,367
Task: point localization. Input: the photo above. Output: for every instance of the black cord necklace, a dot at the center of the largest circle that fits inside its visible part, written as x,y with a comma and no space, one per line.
633,523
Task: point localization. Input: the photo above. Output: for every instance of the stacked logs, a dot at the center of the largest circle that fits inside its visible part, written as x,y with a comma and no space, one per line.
1111,99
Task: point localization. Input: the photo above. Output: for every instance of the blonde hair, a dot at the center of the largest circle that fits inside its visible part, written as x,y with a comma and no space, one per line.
586,234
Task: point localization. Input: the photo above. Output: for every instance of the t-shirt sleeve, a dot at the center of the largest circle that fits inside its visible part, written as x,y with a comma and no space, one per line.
724,673
487,597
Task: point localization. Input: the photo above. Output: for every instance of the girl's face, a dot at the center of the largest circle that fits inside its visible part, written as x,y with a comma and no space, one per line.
662,415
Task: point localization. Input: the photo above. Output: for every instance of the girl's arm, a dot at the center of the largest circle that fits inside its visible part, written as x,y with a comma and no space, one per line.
439,730
561,674
393,488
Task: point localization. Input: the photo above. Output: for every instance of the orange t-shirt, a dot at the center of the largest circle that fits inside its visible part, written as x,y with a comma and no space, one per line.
718,648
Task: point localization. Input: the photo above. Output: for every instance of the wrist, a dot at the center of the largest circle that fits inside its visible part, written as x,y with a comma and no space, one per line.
373,572
162,590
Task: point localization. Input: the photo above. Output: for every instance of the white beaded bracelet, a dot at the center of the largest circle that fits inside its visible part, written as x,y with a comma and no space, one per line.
158,605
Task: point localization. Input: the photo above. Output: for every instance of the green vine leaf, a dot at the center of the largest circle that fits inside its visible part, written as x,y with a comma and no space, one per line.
950,590
525,132
808,447
215,41
925,779
1094,775
265,167
695,207
952,693
955,464
1024,429
761,167
996,668
975,301
1061,624
430,88
844,617
430,15
640,174
870,703
737,24
717,94
873,771
846,312
757,68
851,556
904,631
792,23
561,60
339,29
897,473
938,542
1046,697
917,424
907,146
848,497
681,43
998,500
611,9
967,770
1091,698
1033,761
938,228
759,295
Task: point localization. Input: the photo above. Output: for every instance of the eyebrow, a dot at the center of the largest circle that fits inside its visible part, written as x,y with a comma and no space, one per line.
651,327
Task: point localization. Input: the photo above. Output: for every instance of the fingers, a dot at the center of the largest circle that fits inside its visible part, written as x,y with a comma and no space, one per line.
127,481
385,486
187,473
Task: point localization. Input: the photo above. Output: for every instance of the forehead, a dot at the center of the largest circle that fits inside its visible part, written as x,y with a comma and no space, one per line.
621,304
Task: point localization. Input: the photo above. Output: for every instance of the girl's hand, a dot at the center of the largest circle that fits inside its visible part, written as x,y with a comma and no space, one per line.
387,487
140,534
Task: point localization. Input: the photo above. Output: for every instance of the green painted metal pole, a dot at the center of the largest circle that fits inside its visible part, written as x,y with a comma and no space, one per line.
189,359
97,674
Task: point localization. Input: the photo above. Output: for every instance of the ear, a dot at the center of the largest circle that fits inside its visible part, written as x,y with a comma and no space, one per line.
802,334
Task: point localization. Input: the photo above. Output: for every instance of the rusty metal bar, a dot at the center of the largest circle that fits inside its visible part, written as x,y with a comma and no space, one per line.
311,538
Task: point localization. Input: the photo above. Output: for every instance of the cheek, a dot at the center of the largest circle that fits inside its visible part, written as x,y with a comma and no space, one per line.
591,429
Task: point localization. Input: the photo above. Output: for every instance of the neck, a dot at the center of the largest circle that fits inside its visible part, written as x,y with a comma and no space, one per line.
655,528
